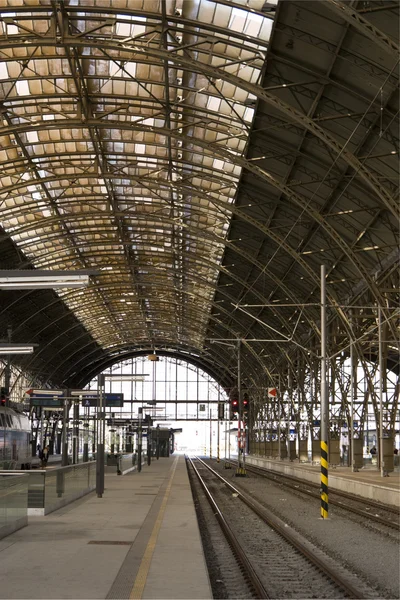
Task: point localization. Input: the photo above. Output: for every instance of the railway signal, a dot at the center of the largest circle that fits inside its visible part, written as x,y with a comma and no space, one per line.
4,396
234,408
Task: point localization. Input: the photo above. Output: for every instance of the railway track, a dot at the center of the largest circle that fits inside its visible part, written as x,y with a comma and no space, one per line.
279,562
343,500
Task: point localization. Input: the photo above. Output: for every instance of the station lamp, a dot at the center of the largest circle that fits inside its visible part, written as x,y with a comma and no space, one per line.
41,279
17,348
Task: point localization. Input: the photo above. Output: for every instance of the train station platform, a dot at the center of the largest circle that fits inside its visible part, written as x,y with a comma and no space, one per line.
141,540
367,482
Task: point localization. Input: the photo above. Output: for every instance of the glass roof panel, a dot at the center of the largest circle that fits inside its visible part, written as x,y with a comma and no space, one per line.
114,152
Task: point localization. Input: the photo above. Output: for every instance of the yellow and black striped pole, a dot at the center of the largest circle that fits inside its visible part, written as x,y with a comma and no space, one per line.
324,480
324,402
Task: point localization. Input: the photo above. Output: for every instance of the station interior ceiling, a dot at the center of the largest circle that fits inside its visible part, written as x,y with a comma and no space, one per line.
204,159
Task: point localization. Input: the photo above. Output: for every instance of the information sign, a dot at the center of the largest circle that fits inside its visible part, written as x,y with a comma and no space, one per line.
47,402
109,400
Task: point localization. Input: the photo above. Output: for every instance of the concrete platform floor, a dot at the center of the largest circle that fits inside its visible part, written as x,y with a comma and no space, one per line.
141,540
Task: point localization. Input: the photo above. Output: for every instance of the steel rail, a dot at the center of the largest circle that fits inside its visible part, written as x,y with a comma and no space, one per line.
271,475
292,538
249,573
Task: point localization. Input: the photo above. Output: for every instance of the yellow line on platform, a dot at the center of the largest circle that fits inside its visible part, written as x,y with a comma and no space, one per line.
141,577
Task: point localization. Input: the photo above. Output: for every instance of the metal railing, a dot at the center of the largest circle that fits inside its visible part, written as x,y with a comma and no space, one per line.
65,484
13,503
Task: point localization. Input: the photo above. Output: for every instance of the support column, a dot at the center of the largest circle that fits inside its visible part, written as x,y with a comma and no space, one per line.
140,416
351,435
324,402
158,442
279,416
100,437
149,442
209,414
75,433
241,470
381,367
64,446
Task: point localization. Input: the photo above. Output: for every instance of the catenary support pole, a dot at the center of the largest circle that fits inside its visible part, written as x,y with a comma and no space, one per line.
324,402
352,394
241,470
289,409
381,367
209,414
218,424
279,416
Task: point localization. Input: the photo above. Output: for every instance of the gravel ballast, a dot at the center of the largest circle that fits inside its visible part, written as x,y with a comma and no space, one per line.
371,553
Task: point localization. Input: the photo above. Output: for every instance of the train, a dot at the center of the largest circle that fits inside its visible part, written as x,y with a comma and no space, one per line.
15,440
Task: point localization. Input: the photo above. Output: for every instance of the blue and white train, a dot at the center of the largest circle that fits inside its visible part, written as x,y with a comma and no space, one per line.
15,440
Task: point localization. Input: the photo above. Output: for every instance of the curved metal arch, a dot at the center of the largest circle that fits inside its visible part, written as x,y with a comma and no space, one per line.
288,192
99,368
353,17
108,58
225,326
196,260
202,116
184,357
241,282
290,293
150,349
206,173
291,112
276,238
74,341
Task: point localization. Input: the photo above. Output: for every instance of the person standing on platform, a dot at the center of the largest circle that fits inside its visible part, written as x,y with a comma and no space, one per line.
45,456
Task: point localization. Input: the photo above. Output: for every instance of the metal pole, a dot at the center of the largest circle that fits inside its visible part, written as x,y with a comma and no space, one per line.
289,404
158,442
229,440
64,446
100,438
279,417
240,471
140,415
42,429
351,437
209,414
227,464
380,345
226,429
7,370
75,436
85,432
218,440
324,402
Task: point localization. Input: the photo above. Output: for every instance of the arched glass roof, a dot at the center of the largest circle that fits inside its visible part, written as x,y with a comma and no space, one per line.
204,158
